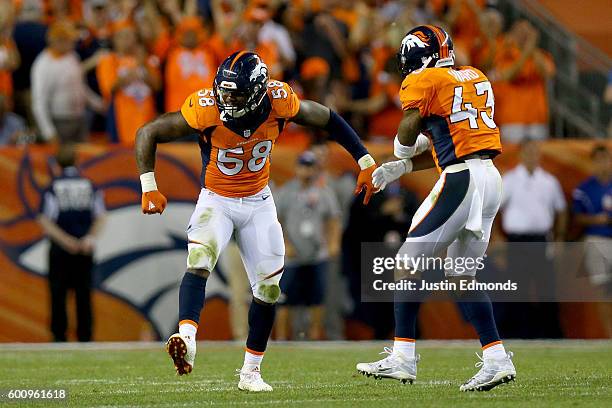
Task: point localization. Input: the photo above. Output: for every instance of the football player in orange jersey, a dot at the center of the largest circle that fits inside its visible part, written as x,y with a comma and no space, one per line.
453,108
238,121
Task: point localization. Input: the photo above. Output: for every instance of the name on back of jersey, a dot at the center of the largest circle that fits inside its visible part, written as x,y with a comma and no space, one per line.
464,75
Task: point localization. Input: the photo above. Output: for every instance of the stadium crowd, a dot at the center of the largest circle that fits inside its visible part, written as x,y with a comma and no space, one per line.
95,70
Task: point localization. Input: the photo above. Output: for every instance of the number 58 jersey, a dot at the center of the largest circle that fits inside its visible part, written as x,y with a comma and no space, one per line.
236,161
457,107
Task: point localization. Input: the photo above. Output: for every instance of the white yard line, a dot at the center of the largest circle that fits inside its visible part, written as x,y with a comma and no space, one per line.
327,345
287,402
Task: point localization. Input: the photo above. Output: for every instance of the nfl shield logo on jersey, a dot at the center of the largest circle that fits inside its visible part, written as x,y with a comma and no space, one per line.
247,133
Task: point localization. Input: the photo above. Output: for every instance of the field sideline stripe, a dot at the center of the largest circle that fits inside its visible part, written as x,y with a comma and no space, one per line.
151,345
251,402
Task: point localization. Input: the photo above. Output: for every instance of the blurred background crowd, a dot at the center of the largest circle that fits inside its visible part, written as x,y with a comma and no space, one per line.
93,71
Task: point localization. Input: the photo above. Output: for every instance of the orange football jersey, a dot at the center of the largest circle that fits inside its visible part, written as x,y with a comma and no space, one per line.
233,164
457,107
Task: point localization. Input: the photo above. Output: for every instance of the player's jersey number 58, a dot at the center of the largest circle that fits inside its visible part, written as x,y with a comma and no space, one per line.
230,165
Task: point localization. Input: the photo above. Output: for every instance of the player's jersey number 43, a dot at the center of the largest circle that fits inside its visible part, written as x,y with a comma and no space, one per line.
466,111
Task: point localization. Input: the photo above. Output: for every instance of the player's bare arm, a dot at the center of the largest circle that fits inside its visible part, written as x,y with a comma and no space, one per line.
410,147
313,114
166,128
409,128
409,134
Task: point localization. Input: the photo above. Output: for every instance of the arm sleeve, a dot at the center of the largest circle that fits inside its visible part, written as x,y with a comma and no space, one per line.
343,133
41,93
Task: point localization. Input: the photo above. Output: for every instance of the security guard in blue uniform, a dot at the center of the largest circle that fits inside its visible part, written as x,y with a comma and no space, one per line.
71,215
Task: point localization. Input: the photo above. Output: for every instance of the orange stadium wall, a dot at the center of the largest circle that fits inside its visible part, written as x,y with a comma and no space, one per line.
588,19
140,260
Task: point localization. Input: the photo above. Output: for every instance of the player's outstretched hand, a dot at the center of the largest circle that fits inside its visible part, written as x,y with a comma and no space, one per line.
153,202
364,181
389,172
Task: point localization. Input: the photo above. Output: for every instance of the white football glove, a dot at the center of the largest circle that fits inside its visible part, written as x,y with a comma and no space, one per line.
389,172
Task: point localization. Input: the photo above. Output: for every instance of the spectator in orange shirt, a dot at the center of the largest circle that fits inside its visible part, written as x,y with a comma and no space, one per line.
172,9
490,41
154,28
57,10
190,66
383,105
314,77
128,79
521,103
460,16
327,37
237,30
227,16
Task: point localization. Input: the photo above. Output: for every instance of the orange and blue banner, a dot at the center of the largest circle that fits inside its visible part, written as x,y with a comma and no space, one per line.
141,259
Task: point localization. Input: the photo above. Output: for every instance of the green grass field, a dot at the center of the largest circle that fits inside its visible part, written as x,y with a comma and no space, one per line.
556,373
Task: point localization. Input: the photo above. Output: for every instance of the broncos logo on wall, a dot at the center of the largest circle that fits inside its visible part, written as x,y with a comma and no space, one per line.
140,259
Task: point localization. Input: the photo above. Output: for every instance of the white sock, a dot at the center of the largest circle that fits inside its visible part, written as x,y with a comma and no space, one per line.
252,359
404,346
494,351
188,331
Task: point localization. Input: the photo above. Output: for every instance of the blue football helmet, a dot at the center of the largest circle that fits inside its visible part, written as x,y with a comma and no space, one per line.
424,47
240,84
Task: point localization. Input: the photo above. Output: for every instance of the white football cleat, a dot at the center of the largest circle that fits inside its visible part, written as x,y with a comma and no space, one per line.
493,372
396,366
250,380
182,351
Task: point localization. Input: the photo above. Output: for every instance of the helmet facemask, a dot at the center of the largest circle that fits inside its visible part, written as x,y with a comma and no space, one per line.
232,102
236,101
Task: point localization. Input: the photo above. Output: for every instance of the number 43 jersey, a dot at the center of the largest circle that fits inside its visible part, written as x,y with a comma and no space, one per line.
457,107
236,162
